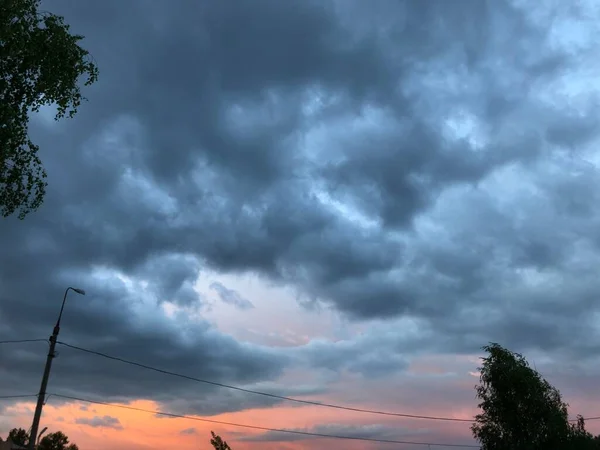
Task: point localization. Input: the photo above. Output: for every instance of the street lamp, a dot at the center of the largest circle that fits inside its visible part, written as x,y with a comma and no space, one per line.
62,307
40,401
40,435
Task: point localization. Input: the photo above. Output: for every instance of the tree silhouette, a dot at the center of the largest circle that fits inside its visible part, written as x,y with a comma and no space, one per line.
56,441
18,436
40,64
521,410
218,443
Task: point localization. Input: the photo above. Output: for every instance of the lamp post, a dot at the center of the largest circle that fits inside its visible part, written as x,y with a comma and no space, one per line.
40,435
41,396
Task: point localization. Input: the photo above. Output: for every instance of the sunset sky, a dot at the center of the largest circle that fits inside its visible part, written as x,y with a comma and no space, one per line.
335,201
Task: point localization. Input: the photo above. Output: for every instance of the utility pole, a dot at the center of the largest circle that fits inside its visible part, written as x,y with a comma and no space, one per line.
51,354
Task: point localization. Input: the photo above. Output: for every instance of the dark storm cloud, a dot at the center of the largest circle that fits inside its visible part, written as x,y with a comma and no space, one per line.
225,136
100,422
188,431
232,163
231,296
224,400
361,356
116,320
173,276
375,431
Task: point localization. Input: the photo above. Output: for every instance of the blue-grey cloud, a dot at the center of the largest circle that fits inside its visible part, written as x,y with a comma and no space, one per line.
100,422
188,431
231,296
429,161
374,431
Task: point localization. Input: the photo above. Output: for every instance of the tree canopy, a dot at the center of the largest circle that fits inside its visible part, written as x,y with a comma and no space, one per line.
218,443
520,410
18,436
41,63
56,441
52,441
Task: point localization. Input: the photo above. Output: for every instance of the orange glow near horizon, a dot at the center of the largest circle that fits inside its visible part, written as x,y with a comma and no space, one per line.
144,431
428,388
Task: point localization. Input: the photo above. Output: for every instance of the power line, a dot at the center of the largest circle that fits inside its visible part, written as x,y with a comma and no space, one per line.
280,397
266,394
308,402
6,397
585,418
20,341
256,427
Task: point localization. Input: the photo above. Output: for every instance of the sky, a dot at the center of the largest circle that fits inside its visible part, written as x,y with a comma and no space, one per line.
335,201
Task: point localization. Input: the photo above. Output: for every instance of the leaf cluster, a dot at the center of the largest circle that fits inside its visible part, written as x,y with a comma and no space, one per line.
41,63
218,443
520,410
52,441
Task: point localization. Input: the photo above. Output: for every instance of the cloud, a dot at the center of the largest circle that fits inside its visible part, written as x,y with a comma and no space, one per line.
359,356
189,431
172,276
374,431
100,422
231,296
232,400
393,167
100,321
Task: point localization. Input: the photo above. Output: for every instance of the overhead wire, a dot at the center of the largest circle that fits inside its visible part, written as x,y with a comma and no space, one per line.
261,428
237,388
265,394
280,397
7,397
